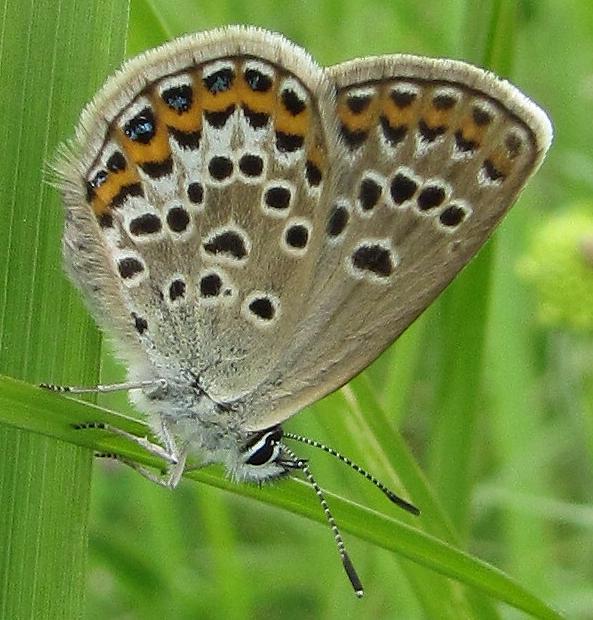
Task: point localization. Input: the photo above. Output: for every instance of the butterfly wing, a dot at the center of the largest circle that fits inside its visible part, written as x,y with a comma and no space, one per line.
239,216
430,156
191,190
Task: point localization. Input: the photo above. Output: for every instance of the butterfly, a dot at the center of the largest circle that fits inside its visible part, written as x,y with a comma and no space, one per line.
252,230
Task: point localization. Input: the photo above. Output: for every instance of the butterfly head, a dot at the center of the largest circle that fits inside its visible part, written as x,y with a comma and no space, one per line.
262,457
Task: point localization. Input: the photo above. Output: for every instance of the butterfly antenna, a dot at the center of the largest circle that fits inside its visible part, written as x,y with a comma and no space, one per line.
396,499
301,464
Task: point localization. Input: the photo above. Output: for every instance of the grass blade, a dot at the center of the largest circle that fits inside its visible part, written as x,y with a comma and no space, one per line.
36,410
51,54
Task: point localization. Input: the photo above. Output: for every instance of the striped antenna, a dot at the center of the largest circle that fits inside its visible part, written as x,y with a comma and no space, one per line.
396,499
301,464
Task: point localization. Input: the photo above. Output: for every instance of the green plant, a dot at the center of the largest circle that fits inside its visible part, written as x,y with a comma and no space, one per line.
465,382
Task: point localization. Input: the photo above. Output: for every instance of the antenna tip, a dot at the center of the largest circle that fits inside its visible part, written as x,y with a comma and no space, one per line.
402,503
352,575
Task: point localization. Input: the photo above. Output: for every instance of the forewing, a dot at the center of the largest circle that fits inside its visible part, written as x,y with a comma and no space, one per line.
431,155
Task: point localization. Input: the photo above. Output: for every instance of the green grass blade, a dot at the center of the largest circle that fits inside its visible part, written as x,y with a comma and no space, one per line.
51,56
205,552
36,410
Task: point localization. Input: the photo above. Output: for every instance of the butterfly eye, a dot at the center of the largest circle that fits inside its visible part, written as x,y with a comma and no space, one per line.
262,455
264,448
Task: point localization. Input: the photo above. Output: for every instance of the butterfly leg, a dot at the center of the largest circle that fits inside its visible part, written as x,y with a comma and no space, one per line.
103,389
169,453
176,459
169,479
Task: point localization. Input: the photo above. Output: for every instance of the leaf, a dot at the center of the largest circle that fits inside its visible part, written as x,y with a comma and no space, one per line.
40,411
51,54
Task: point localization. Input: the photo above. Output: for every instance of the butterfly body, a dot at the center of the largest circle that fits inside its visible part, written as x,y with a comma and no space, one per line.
252,230
189,422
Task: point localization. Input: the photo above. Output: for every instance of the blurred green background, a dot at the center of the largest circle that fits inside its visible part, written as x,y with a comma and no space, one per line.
492,388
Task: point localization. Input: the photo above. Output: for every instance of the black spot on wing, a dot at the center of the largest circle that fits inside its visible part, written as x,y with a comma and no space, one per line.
431,196
145,224
125,192
373,258
428,133
140,323
141,128
219,81
187,140
313,174
128,267
337,221
452,216
257,120
393,134
292,102
369,193
210,285
178,98
178,219
116,162
219,118
492,172
195,192
481,116
289,142
297,236
277,197
220,168
263,308
106,220
258,81
358,103
402,98
353,138
444,101
229,243
251,165
158,169
402,188
177,289
463,144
